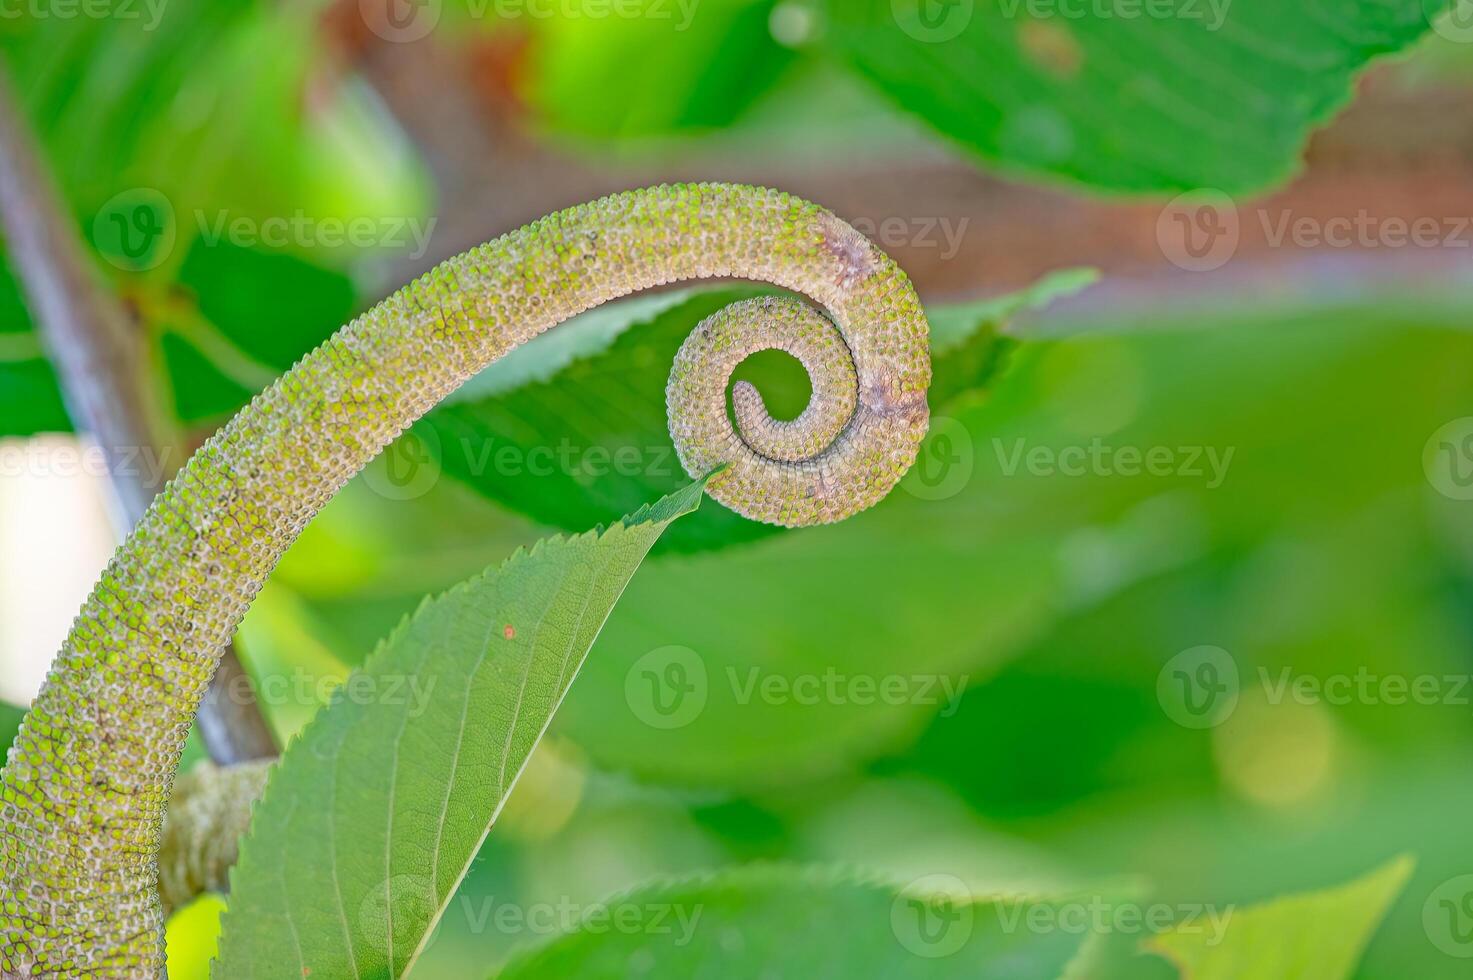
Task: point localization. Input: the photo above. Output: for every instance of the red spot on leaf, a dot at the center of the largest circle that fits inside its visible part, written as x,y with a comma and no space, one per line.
509,633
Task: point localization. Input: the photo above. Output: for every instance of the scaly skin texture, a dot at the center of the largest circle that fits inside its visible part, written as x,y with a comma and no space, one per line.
83,793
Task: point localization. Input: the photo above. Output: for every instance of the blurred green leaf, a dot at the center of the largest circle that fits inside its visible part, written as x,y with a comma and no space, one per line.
10,719
1210,94
954,323
30,401
100,89
185,136
193,936
224,332
780,921
369,823
271,305
1273,564
679,66
201,390
1316,936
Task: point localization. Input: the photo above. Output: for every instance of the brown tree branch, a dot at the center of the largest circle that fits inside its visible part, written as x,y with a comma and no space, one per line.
103,372
209,814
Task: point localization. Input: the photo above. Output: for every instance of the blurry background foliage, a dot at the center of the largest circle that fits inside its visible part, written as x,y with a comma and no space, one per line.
1054,603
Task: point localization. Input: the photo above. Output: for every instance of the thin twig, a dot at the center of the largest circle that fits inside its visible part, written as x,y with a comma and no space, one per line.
103,372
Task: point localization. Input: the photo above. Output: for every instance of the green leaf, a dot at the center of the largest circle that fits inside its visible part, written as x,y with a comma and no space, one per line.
30,401
820,647
238,289
953,324
373,816
1314,936
1202,94
680,66
966,349
783,921
201,389
588,442
10,718
98,87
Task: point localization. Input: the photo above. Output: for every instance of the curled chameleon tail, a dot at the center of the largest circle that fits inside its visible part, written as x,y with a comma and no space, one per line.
83,793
